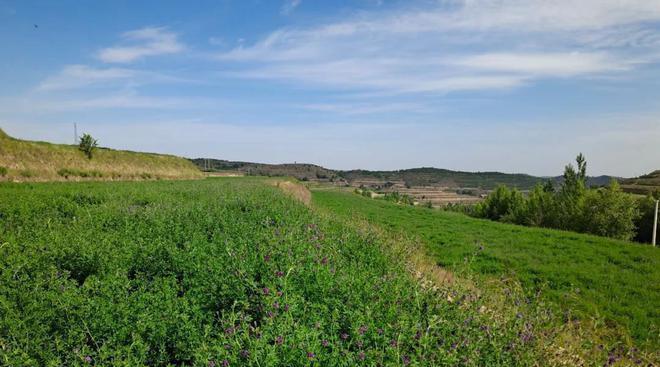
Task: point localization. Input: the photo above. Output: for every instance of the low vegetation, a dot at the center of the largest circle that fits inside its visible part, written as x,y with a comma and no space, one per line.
38,161
226,272
612,283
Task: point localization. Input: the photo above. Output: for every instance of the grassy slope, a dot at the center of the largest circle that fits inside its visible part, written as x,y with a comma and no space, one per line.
196,273
40,161
592,276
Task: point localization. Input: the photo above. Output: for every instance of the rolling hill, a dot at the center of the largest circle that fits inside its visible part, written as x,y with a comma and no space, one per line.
22,160
414,177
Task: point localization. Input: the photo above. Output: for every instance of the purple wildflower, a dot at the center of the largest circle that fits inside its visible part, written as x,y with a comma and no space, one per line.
363,329
380,331
325,343
311,355
393,343
267,258
225,363
276,305
406,360
211,364
279,293
266,291
362,356
286,307
245,353
324,261
88,359
279,340
229,330
279,273
344,336
270,314
360,343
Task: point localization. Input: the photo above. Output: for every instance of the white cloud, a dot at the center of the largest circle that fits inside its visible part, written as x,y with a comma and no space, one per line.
76,76
289,6
459,45
553,64
149,41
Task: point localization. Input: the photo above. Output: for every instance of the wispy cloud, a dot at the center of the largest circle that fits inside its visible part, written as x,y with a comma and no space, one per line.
83,76
149,41
76,76
459,45
289,6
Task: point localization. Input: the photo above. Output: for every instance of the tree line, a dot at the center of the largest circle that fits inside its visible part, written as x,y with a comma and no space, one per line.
604,211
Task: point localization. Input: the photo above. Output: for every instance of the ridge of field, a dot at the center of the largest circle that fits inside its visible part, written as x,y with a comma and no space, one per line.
223,272
591,277
643,185
414,177
23,160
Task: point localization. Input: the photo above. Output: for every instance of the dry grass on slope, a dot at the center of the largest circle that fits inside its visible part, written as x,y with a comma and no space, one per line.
22,160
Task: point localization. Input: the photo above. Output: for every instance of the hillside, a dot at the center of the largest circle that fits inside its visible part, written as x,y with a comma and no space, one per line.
40,161
414,177
301,171
643,185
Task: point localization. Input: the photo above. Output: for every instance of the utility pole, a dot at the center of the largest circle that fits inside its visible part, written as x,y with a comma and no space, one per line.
75,133
655,222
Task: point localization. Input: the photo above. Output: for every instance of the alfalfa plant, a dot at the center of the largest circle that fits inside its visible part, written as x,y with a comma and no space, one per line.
87,145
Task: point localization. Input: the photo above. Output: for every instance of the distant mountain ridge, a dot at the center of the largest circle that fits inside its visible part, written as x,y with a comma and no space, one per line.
424,176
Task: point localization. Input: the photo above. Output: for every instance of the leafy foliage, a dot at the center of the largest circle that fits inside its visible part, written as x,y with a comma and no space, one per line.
3,171
87,145
602,211
216,273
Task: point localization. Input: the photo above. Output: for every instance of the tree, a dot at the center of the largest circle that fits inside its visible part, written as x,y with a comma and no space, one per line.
571,195
610,212
502,204
87,145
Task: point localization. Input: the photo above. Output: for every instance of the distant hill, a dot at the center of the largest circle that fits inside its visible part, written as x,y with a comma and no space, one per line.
643,185
426,176
22,160
301,171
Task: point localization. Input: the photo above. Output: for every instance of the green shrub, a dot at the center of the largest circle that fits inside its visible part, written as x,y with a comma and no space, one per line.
3,171
66,172
87,145
26,173
609,212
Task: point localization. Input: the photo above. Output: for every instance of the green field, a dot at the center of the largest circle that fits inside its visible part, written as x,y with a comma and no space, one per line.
590,277
223,272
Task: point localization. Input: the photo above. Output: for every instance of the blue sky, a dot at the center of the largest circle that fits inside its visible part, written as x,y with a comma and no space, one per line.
507,85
